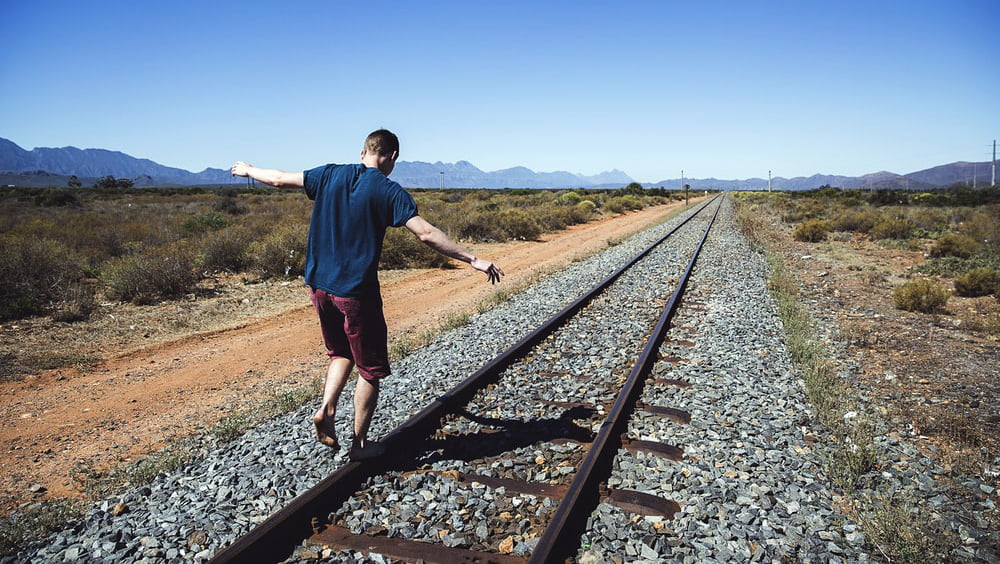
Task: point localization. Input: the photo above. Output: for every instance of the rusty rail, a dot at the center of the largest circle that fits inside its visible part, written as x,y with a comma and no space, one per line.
563,533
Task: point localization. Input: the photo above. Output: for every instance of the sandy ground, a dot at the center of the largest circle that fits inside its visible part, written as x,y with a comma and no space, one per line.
154,375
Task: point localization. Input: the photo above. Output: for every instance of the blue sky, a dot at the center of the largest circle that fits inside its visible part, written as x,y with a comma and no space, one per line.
716,89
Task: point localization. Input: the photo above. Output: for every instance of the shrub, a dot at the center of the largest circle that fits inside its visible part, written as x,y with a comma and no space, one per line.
553,218
897,228
518,224
905,531
203,222
850,463
227,203
585,210
34,271
812,231
225,249
954,245
147,274
569,199
622,204
281,252
978,282
34,521
57,198
921,295
400,249
983,225
857,221
799,211
475,227
77,304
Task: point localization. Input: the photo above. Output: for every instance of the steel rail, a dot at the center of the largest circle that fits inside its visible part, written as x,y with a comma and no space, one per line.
561,538
275,538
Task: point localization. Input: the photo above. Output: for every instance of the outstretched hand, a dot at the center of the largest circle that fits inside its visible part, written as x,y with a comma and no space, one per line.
240,168
493,272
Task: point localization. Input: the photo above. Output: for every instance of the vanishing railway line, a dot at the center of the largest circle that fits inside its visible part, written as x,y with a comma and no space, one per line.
715,459
525,445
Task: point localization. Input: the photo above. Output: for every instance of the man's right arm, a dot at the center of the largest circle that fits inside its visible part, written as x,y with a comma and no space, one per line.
437,240
271,176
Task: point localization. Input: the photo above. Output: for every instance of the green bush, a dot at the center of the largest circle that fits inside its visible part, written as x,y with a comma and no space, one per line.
281,252
978,282
556,218
569,199
622,204
897,228
476,226
812,231
954,245
518,225
921,295
34,271
586,209
954,266
802,210
150,273
931,220
401,249
225,250
228,203
857,221
203,222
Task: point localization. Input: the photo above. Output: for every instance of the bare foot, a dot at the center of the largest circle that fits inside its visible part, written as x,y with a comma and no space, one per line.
326,433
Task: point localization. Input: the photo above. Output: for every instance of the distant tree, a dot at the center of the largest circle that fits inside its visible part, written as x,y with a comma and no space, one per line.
634,188
74,182
110,182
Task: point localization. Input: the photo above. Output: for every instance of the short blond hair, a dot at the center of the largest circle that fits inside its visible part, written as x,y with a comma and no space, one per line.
382,142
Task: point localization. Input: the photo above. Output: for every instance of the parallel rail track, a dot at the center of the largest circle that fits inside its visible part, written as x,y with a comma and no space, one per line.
308,517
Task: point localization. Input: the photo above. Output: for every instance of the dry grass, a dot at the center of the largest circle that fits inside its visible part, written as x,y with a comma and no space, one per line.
900,528
147,245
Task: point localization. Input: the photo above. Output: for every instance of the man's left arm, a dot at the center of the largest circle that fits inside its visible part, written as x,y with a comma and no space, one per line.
437,240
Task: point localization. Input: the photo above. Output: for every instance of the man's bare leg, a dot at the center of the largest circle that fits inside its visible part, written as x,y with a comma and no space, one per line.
365,401
336,378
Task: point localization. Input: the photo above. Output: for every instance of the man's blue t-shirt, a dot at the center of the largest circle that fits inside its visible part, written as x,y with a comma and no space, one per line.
353,206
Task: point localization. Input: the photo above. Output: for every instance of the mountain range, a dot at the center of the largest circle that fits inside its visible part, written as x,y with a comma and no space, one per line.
45,166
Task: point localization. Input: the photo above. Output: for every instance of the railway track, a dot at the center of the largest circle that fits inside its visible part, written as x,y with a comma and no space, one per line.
490,471
528,478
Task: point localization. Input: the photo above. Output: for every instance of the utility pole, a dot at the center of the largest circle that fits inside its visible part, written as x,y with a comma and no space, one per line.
768,181
442,180
993,181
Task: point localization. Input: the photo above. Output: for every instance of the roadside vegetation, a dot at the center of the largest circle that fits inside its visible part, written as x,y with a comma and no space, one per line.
958,231
65,251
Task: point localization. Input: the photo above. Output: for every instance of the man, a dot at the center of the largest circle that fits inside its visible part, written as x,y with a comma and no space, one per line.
353,206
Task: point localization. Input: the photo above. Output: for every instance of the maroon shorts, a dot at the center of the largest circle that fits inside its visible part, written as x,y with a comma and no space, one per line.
354,328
